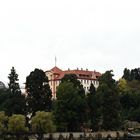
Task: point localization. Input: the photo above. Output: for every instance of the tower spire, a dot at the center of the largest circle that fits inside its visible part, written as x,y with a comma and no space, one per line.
55,61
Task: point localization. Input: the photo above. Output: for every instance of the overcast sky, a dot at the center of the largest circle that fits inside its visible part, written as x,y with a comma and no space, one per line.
95,34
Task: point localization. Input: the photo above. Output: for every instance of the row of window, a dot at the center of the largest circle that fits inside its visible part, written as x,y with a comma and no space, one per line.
56,83
88,82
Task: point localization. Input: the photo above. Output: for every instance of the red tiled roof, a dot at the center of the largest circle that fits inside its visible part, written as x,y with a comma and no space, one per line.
56,70
81,74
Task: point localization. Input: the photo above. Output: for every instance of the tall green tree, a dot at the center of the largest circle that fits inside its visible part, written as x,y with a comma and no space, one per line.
94,108
72,107
110,101
13,82
130,105
14,102
126,74
39,94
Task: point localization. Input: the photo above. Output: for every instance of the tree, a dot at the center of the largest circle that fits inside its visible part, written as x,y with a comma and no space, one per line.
130,105
13,82
16,125
15,101
38,92
71,106
73,79
122,85
94,108
42,123
126,74
92,89
133,74
3,122
110,101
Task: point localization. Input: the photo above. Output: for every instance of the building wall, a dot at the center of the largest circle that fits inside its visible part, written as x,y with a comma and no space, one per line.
54,81
86,85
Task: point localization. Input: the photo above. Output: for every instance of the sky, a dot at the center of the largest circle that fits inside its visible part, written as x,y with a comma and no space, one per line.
95,34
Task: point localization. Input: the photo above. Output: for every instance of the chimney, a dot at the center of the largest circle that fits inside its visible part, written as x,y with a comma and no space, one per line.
81,68
68,68
77,69
86,69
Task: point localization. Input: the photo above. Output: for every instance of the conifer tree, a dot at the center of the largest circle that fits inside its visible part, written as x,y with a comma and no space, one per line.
15,101
13,82
110,101
127,74
94,108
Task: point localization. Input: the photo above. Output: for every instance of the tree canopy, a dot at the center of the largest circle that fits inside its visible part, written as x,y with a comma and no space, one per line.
109,101
94,108
42,123
76,83
13,82
14,102
70,104
38,92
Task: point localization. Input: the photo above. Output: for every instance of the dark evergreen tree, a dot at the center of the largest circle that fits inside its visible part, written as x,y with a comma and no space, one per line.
15,101
126,74
136,74
39,95
132,75
130,105
92,89
13,82
110,101
94,108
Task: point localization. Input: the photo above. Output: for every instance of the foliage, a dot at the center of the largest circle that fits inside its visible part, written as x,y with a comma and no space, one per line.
3,97
13,82
72,107
130,94
42,123
126,74
14,101
109,101
130,102
16,124
94,108
92,89
76,83
133,85
3,122
122,85
38,92
14,104
133,74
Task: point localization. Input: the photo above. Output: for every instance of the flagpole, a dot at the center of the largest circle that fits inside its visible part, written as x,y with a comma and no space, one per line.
55,61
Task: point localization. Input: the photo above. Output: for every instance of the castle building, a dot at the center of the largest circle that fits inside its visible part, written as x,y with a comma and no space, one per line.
86,77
